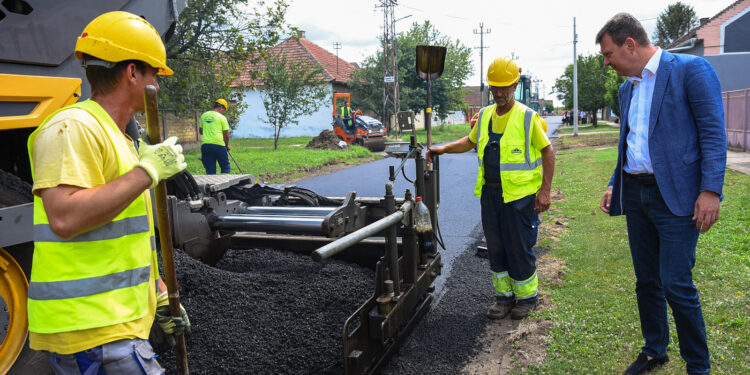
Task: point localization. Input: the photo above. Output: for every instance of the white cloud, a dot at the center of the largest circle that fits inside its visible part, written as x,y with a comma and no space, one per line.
540,32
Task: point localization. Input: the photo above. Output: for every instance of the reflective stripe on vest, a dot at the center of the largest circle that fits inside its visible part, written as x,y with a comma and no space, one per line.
520,177
111,230
99,277
89,286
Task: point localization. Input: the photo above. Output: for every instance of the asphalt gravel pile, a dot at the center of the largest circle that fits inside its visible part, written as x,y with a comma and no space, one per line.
264,311
326,140
447,338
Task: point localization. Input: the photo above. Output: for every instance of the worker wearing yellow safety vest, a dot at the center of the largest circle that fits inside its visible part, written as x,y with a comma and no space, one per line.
346,115
516,165
94,290
214,130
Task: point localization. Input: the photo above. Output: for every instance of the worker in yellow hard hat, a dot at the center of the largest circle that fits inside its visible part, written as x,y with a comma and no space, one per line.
516,165
214,130
95,290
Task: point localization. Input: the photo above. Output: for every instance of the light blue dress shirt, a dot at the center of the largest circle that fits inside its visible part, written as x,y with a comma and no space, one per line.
638,157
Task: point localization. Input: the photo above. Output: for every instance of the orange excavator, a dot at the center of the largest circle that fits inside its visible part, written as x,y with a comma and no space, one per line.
358,129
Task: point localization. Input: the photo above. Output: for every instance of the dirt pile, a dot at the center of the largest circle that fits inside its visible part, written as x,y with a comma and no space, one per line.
267,311
326,140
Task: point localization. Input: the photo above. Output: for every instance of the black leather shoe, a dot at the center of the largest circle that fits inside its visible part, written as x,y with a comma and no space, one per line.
643,365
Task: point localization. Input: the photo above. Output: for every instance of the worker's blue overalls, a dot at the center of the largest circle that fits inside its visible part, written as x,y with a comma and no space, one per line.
509,228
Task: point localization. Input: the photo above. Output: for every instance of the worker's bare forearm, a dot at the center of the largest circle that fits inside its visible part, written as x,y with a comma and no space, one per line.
160,286
226,138
456,147
72,209
548,167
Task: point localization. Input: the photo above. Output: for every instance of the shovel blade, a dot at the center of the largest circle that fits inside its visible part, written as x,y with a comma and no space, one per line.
430,61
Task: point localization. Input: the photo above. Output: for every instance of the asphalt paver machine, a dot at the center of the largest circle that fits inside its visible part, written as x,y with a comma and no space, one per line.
211,214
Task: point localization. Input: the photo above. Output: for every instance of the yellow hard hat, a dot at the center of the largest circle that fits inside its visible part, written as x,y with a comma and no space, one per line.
119,36
502,72
224,103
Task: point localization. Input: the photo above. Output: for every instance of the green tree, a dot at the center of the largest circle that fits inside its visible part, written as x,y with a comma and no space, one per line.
591,93
613,88
447,91
564,87
367,85
290,89
210,47
549,107
675,21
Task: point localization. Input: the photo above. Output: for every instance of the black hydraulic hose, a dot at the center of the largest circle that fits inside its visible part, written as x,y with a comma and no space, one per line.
403,173
181,188
437,234
196,191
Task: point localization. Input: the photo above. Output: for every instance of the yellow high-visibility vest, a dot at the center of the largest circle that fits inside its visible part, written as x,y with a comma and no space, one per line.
99,277
520,162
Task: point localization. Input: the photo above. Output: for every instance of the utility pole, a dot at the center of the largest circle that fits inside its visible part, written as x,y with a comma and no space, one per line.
337,47
394,64
481,61
390,68
575,80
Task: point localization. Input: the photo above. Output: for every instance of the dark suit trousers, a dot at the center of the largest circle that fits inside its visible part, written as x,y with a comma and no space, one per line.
662,246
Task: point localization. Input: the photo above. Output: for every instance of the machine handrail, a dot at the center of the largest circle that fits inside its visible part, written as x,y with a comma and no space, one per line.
353,238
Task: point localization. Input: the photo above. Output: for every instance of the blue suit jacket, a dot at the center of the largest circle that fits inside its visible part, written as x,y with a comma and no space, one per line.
686,133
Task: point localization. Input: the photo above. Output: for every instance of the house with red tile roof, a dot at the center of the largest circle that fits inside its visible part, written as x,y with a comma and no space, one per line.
334,70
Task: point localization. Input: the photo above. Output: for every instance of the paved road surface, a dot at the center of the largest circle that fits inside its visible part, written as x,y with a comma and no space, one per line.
553,122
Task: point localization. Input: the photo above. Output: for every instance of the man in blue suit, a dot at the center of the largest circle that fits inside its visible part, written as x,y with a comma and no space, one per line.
667,182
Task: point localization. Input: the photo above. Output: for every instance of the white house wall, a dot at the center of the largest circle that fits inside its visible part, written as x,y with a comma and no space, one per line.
252,125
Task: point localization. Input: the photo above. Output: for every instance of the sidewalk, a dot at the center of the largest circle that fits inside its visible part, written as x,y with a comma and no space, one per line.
738,161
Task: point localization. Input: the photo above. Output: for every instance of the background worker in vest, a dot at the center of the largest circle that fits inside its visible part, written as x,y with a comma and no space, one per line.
94,289
346,116
214,130
514,186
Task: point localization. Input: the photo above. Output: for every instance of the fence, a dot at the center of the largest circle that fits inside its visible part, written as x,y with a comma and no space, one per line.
737,118
184,127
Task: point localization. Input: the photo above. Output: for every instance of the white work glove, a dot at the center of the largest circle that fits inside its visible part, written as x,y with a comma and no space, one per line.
162,160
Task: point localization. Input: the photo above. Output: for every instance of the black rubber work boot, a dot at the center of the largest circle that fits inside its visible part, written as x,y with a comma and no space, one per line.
499,310
643,365
522,310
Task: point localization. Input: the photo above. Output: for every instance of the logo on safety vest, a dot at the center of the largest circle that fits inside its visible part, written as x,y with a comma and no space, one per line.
516,151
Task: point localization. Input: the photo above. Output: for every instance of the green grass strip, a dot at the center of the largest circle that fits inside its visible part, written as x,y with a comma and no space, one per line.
290,161
597,327
588,128
440,133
